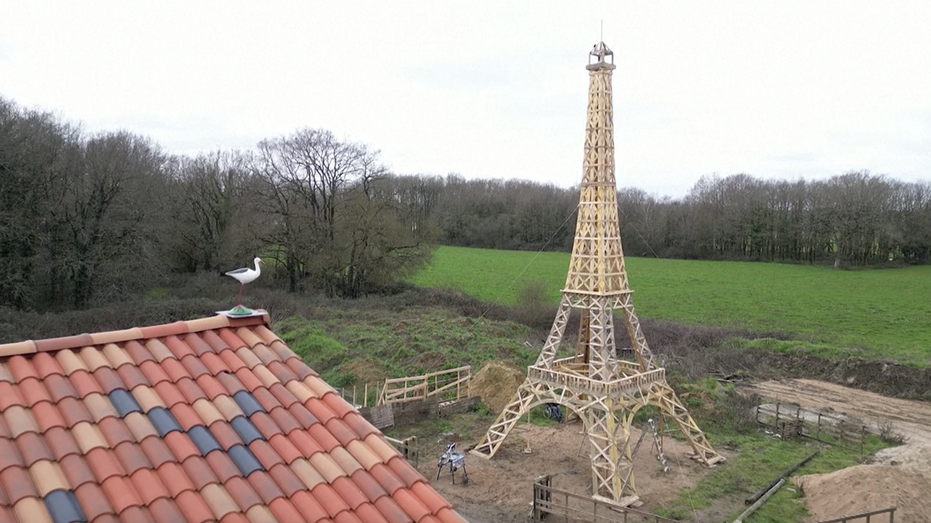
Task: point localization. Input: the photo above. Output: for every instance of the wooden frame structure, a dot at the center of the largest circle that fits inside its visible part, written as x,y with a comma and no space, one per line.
452,382
602,390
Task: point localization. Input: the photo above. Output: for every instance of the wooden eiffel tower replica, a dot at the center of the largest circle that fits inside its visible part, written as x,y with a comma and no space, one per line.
602,390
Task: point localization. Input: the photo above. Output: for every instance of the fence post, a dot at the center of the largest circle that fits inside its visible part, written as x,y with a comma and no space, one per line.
818,434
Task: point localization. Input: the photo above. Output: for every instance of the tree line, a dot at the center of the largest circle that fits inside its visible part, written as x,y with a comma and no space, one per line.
87,218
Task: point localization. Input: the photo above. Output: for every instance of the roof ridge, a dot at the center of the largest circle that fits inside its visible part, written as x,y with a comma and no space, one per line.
219,321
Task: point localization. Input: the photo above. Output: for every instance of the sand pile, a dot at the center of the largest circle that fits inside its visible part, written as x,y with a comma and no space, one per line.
864,488
496,384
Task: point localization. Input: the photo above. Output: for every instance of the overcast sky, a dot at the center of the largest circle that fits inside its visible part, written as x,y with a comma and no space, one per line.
494,89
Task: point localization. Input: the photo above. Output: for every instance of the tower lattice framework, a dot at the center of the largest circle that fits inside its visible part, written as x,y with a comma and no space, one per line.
603,391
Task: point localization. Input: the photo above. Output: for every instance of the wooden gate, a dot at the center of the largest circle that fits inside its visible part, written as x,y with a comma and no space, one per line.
559,506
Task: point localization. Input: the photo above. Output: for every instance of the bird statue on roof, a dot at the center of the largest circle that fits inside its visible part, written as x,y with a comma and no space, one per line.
245,275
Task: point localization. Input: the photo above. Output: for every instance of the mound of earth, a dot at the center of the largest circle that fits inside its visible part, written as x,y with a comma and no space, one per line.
496,384
365,371
864,488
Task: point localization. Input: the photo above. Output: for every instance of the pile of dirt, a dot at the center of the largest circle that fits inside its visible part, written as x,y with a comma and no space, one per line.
365,372
496,384
864,488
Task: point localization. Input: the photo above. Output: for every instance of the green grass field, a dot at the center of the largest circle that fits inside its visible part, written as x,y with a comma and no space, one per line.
876,313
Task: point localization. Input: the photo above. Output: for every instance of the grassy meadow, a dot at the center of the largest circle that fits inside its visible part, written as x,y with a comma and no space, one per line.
873,313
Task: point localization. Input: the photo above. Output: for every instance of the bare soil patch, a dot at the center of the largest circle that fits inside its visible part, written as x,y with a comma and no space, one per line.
899,476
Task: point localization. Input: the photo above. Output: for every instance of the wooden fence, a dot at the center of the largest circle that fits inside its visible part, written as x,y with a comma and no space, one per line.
408,448
559,506
886,515
445,385
792,421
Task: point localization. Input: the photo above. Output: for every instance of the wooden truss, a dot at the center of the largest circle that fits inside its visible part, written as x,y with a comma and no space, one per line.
602,390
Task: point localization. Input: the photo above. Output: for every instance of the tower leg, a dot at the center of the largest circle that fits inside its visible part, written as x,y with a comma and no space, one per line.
548,354
612,466
670,404
502,426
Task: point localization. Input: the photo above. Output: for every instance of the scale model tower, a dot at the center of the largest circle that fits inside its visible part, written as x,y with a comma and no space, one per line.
603,391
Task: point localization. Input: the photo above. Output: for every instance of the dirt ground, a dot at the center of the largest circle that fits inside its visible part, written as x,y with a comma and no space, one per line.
899,476
499,490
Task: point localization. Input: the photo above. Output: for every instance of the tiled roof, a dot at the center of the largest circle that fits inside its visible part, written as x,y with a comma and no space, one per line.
206,420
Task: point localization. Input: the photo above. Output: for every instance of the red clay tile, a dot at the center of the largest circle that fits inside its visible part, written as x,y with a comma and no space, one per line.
74,412
429,497
215,365
157,452
242,492
131,457
405,471
104,464
132,377
309,507
93,500
21,368
61,442
199,471
227,407
248,357
22,347
178,347
175,478
232,361
194,507
265,424
261,514
222,466
60,387
139,425
264,354
386,478
93,358
284,448
66,342
320,410
17,483
299,368
248,379
359,425
265,334
219,500
159,350
447,515
100,407
250,338
153,372
225,434
135,515
287,481
283,419
330,500
116,356
70,361
264,375
115,431
391,510
284,510
349,491
304,443
341,431
308,474
266,399
76,470
108,379
345,460
337,404
20,420
265,453
175,370
214,341
210,386
381,448
283,395
187,417
31,510
369,514
10,395
230,382
197,344
318,386
194,366
190,390
232,341
4,429
303,416
165,510
120,336
181,445
149,485
9,454
281,371
323,437
169,393
367,484
234,517
47,416
46,365
161,331
138,352
147,398
264,486
33,448
347,517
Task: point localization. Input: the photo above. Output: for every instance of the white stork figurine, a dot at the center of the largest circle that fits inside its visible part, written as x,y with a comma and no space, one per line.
246,275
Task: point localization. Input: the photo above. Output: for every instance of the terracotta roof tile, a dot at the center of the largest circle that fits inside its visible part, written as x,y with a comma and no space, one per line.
198,421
